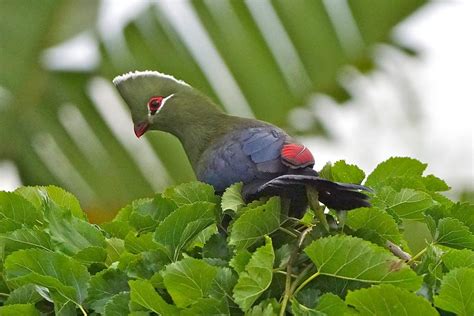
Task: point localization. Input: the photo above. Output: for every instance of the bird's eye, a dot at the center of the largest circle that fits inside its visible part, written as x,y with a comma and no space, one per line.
154,104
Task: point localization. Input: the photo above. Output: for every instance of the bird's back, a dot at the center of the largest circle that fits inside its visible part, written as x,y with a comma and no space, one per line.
245,154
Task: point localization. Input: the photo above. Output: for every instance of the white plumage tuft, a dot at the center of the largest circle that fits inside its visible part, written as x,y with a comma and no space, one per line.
134,74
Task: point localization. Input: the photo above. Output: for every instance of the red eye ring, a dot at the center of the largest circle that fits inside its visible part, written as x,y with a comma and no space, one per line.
154,104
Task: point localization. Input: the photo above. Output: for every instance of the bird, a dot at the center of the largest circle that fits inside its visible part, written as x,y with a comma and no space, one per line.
225,149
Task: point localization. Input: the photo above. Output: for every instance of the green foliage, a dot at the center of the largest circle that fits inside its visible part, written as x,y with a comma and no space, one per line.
456,292
249,227
257,276
189,280
164,255
358,260
389,300
373,224
340,171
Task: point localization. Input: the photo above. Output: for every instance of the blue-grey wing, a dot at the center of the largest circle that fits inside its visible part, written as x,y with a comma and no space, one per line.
245,155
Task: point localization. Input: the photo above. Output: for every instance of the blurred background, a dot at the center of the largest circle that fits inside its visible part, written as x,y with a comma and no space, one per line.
357,80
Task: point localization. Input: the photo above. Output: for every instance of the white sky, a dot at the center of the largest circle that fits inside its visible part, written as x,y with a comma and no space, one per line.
374,127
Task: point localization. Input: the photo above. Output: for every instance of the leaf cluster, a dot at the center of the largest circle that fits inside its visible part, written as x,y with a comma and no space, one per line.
187,251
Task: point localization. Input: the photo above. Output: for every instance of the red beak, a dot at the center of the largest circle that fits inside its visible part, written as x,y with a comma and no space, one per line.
140,128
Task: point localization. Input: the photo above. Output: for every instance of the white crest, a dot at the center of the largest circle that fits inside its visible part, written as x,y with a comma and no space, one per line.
134,74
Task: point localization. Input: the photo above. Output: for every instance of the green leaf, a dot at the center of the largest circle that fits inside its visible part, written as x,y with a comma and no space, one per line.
143,265
145,214
331,305
441,199
417,235
355,259
183,225
207,306
386,299
454,258
255,223
114,248
465,213
394,167
105,285
257,276
232,198
62,275
414,182
143,294
19,309
240,260
434,184
41,195
16,212
452,233
328,304
309,296
268,307
91,255
325,172
298,309
188,193
188,280
364,220
406,204
136,244
164,207
224,282
117,229
142,215
431,268
282,255
456,292
201,238
216,247
70,233
344,172
138,312
25,238
26,294
118,305
123,215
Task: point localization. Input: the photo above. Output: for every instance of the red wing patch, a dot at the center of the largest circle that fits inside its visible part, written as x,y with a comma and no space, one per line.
296,156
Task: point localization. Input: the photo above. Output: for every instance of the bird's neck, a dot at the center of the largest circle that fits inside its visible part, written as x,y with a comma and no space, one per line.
197,125
197,136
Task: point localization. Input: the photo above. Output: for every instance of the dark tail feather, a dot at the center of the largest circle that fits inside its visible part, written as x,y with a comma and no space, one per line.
339,196
343,199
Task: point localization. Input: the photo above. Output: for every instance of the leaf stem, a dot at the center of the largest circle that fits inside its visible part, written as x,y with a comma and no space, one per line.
302,285
284,273
82,310
289,287
4,294
289,232
313,201
418,255
286,297
300,277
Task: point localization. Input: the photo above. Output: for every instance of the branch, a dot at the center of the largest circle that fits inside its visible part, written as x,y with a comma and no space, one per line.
397,251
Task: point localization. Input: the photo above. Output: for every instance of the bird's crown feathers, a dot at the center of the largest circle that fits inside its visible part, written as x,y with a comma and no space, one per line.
143,74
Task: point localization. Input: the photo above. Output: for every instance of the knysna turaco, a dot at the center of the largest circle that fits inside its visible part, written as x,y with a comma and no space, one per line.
225,149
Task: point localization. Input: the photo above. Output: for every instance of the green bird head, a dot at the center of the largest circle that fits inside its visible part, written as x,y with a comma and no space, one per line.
160,102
